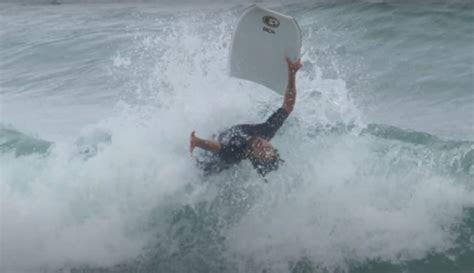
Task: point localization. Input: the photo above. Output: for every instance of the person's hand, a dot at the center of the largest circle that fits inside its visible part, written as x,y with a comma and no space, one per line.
193,142
293,67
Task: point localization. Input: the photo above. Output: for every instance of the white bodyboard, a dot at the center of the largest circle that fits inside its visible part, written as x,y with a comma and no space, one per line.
261,42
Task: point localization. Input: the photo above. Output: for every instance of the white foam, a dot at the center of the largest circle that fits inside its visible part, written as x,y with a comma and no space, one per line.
349,205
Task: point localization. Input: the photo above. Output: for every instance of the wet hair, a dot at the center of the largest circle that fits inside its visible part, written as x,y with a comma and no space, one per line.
264,166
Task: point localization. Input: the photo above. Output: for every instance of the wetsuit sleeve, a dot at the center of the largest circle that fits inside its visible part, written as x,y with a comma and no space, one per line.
269,128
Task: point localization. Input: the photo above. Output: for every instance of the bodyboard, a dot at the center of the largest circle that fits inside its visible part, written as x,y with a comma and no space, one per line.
262,40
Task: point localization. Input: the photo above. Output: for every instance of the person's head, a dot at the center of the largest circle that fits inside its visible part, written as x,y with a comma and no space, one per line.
263,156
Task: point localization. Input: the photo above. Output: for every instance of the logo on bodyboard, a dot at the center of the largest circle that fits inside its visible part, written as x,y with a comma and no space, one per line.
271,21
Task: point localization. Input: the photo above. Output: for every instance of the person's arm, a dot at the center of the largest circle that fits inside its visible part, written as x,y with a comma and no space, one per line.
290,94
269,128
208,145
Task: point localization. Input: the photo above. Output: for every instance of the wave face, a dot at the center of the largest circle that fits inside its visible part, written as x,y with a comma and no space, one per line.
98,101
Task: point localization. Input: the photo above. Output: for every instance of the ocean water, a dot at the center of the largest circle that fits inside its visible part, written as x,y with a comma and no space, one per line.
98,101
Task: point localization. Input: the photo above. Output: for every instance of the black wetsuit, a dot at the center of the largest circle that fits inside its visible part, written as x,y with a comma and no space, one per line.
234,142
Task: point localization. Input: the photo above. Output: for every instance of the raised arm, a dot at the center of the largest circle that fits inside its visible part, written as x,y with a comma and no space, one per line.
290,94
208,145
